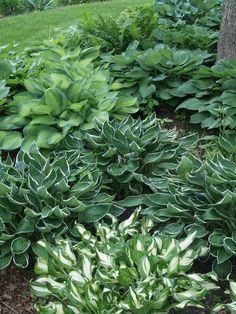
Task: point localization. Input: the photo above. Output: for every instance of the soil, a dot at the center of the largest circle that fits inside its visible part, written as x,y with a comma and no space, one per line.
15,297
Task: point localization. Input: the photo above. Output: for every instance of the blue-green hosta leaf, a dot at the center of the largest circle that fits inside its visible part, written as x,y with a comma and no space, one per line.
192,104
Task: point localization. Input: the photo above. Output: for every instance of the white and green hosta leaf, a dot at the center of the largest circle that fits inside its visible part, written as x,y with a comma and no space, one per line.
145,267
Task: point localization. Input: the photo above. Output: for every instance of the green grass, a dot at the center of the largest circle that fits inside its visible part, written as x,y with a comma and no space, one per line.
36,26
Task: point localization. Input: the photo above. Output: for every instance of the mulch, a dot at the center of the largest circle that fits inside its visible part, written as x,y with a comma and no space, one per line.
15,296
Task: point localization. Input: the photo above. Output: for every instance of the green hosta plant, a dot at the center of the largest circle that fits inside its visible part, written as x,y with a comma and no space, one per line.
134,155
124,268
207,13
156,74
211,94
44,197
68,93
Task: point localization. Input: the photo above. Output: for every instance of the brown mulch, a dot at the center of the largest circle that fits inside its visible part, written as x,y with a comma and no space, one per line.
15,297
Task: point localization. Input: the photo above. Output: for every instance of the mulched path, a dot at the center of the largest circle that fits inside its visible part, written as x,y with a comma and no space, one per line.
15,297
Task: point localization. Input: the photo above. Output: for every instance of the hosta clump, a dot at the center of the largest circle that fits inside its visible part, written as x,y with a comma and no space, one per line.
211,93
44,197
201,198
133,155
124,268
206,13
151,74
68,93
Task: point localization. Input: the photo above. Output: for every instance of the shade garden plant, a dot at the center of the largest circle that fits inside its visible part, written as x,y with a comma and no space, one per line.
119,211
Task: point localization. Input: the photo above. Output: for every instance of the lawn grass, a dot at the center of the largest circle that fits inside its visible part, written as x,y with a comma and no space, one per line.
36,26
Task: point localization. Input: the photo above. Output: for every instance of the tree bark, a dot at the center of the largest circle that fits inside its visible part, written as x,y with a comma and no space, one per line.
227,38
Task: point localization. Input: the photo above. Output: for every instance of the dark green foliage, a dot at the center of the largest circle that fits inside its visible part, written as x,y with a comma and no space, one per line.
157,75
73,2
40,5
12,7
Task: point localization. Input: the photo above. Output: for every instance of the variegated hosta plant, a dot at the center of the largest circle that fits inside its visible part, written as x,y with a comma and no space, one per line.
134,155
123,268
201,197
44,197
67,93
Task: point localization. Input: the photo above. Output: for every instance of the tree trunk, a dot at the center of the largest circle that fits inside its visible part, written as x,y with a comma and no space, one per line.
227,38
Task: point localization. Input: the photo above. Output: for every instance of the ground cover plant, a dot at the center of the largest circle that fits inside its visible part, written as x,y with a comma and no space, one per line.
125,213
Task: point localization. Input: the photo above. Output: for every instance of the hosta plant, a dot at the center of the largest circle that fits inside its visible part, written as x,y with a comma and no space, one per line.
206,13
44,197
68,93
211,95
134,155
151,74
201,197
123,268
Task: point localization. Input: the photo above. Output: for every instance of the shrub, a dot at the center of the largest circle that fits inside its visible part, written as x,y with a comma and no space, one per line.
71,2
125,268
12,7
40,5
